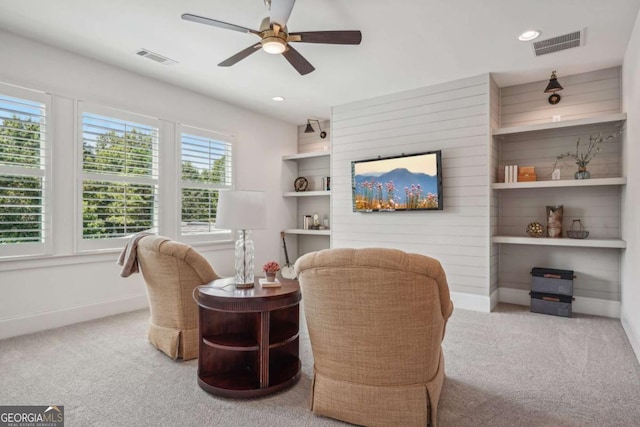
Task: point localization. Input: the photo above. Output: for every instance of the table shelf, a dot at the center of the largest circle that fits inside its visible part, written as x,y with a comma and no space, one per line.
236,342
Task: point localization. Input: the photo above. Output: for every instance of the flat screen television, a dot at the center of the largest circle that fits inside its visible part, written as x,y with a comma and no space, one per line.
408,182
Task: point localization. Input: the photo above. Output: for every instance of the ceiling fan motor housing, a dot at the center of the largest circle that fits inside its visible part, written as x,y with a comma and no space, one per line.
274,43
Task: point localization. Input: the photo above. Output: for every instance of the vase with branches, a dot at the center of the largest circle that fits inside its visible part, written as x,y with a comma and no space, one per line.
584,156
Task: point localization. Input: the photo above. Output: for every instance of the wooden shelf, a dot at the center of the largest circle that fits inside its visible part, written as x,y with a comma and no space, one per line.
607,118
237,342
238,380
545,241
282,333
308,232
559,183
309,155
306,193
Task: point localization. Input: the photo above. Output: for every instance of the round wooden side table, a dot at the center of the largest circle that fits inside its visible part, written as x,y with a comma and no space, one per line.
248,338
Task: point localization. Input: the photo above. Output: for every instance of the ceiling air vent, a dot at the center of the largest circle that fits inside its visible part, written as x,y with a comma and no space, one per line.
555,44
155,57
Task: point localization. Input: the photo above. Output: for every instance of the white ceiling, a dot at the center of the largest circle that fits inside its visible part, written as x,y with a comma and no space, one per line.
406,44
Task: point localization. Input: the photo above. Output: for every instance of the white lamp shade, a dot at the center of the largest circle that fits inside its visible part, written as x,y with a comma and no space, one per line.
241,210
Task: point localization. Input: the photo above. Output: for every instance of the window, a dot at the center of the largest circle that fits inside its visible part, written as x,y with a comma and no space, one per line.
24,179
119,176
206,167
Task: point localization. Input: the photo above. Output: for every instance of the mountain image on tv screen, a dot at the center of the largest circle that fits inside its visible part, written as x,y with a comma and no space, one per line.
399,183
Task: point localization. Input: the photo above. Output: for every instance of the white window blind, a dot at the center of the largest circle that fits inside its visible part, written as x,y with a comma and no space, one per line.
206,167
23,174
119,177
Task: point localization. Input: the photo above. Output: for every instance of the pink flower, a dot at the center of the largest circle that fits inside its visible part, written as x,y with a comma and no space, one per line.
271,267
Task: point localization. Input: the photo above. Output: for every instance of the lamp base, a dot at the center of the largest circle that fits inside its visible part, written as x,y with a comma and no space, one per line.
244,261
244,285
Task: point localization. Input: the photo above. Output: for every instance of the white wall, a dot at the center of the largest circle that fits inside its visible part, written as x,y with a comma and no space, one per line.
630,314
67,288
452,117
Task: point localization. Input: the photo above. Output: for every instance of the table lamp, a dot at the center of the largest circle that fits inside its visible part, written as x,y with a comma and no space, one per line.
242,211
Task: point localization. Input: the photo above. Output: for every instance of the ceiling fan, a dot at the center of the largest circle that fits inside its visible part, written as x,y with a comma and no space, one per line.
275,37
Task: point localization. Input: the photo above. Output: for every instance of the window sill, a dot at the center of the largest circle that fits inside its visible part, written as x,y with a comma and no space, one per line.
88,257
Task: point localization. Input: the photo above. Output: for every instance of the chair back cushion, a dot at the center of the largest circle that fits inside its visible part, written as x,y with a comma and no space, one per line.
375,316
171,271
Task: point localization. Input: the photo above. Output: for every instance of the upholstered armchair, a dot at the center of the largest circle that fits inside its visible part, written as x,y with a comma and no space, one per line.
376,320
171,271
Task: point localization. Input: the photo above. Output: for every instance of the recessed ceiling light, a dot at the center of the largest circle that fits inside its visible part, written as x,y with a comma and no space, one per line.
529,35
278,98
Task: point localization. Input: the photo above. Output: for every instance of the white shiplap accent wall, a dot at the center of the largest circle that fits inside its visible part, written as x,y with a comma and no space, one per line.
452,117
584,95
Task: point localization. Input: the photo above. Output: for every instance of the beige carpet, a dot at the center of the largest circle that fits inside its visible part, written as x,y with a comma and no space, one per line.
507,368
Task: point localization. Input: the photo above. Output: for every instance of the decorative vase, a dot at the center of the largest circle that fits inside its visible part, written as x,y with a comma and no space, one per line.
582,173
271,277
554,221
244,260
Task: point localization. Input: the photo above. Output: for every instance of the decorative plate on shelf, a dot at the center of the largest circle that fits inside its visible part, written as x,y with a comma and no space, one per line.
300,184
534,229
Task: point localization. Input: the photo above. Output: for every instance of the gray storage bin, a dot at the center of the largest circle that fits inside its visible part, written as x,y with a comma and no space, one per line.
556,305
552,281
552,286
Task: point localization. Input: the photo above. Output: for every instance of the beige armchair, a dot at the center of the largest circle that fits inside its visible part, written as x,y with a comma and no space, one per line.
171,271
376,320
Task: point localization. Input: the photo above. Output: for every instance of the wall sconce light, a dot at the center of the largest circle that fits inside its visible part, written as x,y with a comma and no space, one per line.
552,88
309,128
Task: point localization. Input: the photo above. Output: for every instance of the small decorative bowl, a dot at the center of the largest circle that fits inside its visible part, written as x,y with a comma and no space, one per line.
577,230
577,234
535,229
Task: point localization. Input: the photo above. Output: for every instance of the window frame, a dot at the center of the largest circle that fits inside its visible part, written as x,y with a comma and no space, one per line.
111,243
222,236
45,247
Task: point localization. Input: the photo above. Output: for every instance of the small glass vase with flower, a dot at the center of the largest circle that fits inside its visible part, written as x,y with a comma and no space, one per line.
270,269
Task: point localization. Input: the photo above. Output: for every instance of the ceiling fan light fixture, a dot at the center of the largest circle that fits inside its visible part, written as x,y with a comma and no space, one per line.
274,45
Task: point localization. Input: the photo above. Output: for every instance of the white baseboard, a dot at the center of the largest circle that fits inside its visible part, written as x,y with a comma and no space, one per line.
495,298
597,307
632,333
28,324
470,302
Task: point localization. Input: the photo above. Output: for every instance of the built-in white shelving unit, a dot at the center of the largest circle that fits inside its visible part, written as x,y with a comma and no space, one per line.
521,204
313,165
595,202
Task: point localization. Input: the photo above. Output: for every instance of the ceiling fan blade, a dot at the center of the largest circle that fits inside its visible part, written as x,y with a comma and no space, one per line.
299,63
280,11
240,55
329,37
219,24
